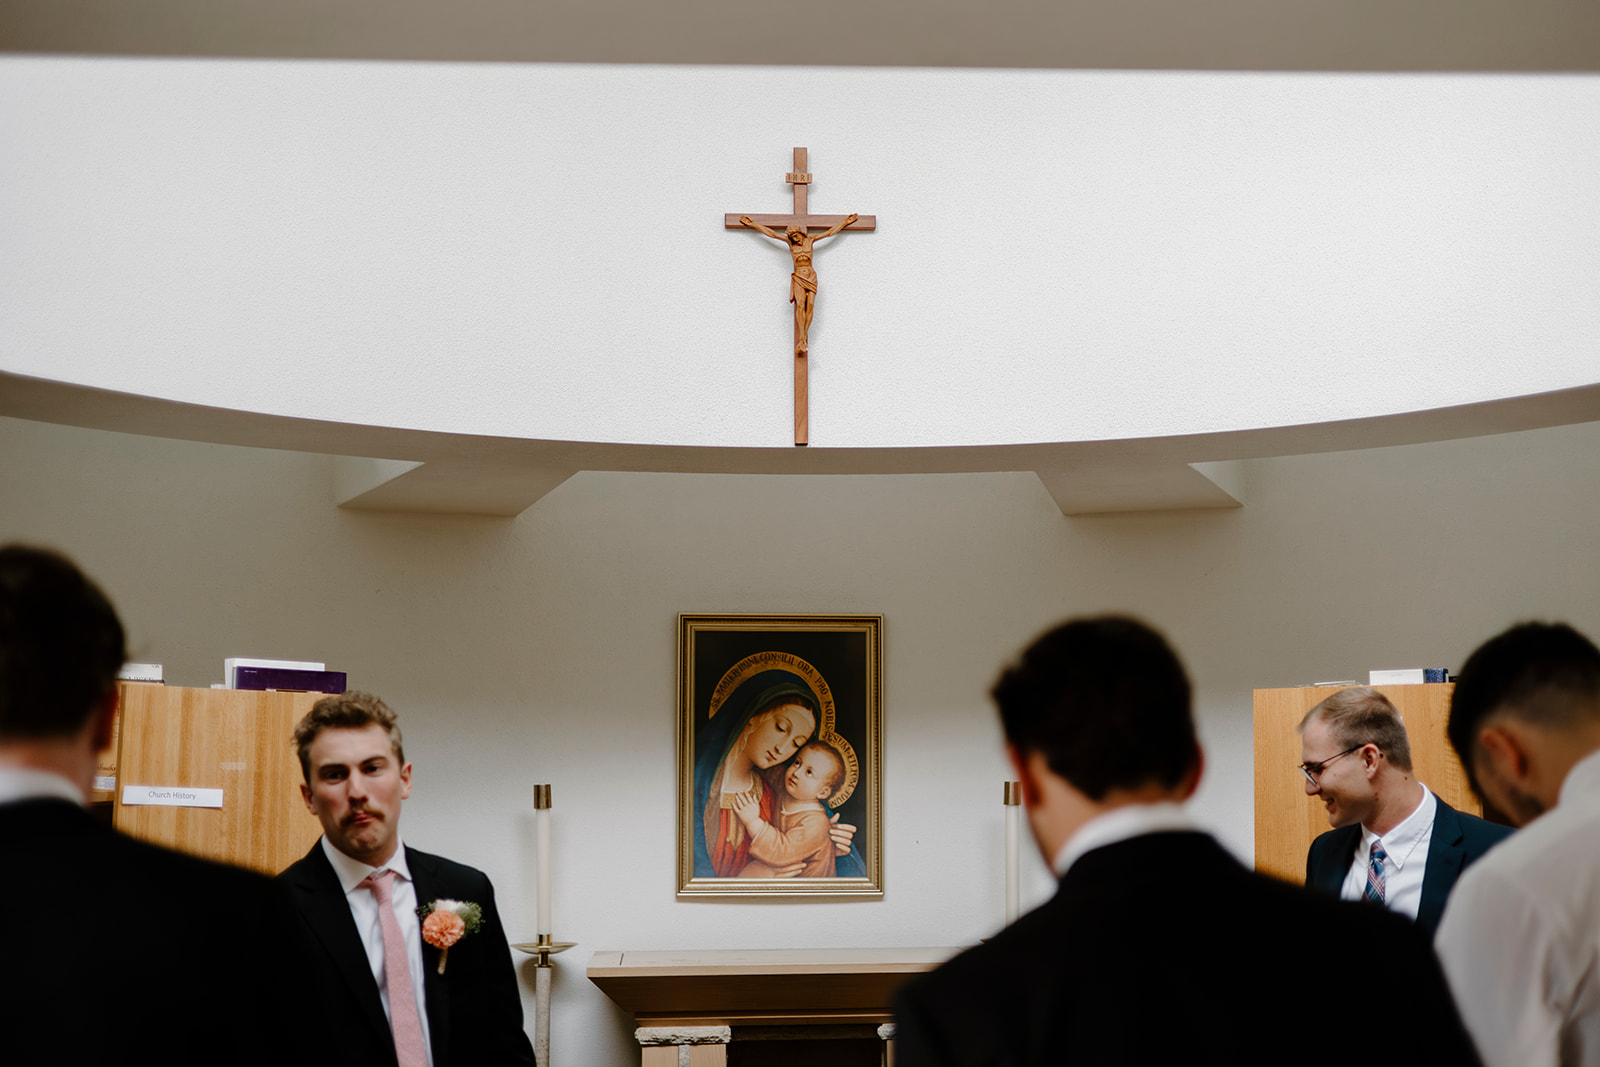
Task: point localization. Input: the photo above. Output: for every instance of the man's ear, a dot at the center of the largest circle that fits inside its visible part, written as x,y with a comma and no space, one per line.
1191,780
1506,750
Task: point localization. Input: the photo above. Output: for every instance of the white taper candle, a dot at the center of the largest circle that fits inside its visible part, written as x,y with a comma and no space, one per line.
541,823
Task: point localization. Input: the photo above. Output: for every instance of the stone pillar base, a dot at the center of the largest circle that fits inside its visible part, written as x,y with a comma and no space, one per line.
683,1046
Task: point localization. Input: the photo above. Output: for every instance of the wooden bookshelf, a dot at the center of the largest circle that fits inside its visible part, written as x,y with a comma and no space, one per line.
1287,819
229,739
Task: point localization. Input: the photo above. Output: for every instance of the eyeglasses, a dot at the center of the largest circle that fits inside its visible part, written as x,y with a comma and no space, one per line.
1312,770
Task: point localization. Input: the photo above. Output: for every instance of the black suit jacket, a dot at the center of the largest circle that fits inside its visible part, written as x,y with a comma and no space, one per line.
1458,841
474,1008
118,951
1162,949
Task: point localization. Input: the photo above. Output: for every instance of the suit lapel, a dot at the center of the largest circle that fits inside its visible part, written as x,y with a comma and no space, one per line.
1336,858
428,881
322,903
1446,849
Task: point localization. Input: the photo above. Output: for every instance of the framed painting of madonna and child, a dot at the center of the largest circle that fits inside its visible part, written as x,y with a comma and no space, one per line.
779,766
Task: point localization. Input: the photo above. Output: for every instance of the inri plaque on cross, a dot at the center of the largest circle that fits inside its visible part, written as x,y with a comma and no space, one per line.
796,234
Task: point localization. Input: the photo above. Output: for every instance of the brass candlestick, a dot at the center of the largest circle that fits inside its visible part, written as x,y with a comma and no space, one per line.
546,946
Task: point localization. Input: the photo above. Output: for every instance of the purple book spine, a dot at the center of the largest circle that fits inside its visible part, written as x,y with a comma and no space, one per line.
283,678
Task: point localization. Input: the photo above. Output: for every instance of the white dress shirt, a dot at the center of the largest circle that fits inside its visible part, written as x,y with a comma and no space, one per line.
364,909
1119,824
1407,848
30,783
1520,938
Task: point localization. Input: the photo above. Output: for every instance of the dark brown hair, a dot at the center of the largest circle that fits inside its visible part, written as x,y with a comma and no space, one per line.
61,645
1540,672
1106,702
347,711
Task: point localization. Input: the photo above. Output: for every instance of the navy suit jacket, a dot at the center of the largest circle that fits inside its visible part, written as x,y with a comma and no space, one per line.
1458,841
1163,949
474,1008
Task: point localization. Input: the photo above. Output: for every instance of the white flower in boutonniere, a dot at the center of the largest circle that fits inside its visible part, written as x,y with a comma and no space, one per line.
444,922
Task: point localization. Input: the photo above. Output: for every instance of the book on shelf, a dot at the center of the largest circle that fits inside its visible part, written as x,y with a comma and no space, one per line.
233,663
1409,676
286,678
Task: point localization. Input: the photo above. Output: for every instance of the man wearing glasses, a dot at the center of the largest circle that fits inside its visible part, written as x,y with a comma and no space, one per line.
1394,843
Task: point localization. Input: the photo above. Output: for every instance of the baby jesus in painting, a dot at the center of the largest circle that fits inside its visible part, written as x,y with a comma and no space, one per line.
799,830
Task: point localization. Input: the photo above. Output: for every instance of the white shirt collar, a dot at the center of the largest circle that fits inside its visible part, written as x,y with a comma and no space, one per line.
1583,778
352,872
1119,824
31,783
1400,842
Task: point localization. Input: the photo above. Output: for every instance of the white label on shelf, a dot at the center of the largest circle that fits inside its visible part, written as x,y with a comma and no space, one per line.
105,782
172,796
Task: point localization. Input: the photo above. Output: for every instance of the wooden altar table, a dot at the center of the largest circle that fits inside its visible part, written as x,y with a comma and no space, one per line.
688,1005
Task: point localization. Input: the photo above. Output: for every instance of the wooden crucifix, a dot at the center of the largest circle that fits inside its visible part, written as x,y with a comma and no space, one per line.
803,282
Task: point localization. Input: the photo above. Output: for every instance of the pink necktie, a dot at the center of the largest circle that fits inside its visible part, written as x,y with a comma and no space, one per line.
403,1020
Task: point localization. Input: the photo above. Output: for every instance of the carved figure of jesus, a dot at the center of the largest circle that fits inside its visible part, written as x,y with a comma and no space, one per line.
803,282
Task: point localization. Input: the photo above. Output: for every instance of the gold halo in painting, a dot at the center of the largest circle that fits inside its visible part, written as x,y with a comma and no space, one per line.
852,768
759,662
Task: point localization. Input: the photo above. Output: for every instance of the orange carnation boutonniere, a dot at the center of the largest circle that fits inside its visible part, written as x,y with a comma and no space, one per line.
444,922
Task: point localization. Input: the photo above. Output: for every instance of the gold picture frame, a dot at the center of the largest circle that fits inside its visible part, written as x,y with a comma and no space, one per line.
780,738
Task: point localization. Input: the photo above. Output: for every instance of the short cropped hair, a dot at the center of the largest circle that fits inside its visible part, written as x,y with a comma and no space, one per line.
347,711
1106,702
833,753
1540,672
61,645
1360,715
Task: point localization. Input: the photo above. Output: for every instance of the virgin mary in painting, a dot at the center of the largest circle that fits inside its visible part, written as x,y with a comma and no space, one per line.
740,754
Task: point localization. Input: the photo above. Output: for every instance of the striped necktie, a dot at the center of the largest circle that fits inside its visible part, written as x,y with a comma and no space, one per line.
1375,873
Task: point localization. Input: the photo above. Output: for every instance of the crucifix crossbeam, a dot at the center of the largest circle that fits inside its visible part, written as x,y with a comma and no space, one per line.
796,233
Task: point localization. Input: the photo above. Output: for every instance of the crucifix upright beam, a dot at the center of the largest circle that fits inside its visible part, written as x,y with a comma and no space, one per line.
797,235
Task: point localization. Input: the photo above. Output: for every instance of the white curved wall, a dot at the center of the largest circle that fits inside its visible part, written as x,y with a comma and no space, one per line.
537,251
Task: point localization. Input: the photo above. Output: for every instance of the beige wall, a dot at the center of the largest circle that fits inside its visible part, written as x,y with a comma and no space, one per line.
541,648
